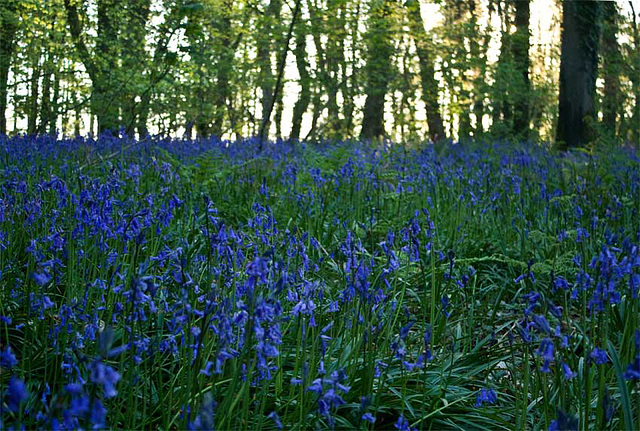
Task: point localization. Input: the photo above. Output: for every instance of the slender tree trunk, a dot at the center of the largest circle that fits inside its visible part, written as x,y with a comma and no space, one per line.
520,46
53,110
32,114
8,28
478,59
304,98
264,57
45,105
283,59
427,73
578,72
377,68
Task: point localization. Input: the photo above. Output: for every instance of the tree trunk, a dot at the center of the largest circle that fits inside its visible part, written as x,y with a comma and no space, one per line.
635,80
8,28
377,68
283,59
429,83
520,46
101,67
264,57
32,113
305,81
478,53
578,72
53,110
611,68
133,56
224,68
501,109
107,98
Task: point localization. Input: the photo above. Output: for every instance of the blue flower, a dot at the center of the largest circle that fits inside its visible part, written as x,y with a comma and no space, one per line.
568,374
564,422
402,424
633,370
487,396
7,359
599,356
105,376
276,419
368,417
16,394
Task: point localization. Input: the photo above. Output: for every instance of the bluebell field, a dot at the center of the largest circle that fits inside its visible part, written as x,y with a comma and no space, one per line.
167,284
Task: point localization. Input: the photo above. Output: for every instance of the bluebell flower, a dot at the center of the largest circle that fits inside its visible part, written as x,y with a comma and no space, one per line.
599,356
204,421
41,278
633,370
402,424
276,419
546,352
16,394
105,376
97,415
7,359
486,396
564,422
568,374
541,324
368,417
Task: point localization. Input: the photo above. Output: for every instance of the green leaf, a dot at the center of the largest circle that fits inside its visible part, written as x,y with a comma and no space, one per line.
624,391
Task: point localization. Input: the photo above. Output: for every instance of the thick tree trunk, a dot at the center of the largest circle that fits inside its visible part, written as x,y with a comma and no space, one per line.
133,52
8,27
377,68
611,68
101,67
427,78
520,46
635,80
107,97
224,68
578,72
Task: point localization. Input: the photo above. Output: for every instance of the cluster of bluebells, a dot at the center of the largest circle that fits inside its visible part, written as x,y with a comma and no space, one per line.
139,275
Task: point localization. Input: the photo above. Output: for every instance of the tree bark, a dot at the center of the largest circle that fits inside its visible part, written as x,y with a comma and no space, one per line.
520,46
8,28
377,68
224,67
283,60
133,58
427,78
32,112
635,80
578,72
271,14
99,67
611,68
304,98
